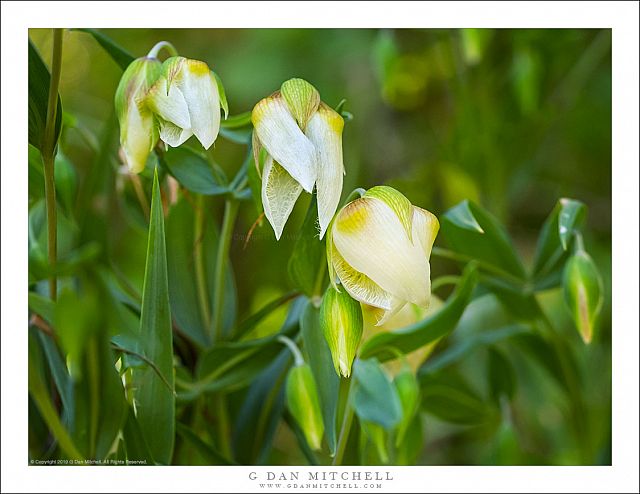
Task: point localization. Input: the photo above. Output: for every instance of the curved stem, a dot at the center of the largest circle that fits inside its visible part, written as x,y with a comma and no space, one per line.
153,53
224,242
347,419
201,280
48,159
297,355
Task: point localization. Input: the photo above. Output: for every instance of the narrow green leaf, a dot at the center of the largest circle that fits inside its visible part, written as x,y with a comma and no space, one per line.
236,121
39,393
430,329
501,376
193,171
38,92
155,403
181,259
261,411
319,358
462,216
448,396
136,448
375,398
209,453
119,55
308,254
493,248
466,345
252,321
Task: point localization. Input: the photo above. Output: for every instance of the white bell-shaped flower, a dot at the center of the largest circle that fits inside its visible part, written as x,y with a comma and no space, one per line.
186,102
302,138
378,247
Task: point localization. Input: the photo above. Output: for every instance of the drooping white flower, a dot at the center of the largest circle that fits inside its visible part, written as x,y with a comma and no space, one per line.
302,138
186,102
138,133
378,247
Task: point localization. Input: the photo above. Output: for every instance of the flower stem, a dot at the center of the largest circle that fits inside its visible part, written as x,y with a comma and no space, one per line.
347,419
48,159
224,243
153,53
201,280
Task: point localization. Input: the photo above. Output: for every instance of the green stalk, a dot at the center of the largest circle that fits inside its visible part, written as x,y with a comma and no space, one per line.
201,279
347,420
48,159
224,243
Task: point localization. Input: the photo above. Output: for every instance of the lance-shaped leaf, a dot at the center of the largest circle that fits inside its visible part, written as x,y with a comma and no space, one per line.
375,398
155,403
428,330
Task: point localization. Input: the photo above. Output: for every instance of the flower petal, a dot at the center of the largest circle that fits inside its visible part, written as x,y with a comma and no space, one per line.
372,240
360,286
200,90
279,194
280,135
169,103
324,130
171,134
136,138
425,228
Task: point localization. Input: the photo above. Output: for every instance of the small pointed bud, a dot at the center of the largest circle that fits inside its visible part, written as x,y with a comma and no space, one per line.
341,322
583,292
138,133
409,393
379,249
186,100
304,404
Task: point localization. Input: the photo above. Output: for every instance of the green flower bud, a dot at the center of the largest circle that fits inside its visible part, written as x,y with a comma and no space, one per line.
138,132
583,292
341,322
304,404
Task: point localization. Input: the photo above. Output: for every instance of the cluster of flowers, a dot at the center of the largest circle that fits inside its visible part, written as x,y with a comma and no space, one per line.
378,245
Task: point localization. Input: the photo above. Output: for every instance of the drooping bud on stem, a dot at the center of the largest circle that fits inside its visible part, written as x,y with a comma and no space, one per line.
341,322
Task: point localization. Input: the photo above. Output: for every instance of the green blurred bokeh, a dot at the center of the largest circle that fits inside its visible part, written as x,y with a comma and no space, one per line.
512,119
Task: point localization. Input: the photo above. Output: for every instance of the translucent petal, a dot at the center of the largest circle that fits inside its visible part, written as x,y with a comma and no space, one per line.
324,130
173,135
280,135
372,240
170,106
136,138
200,90
359,285
279,194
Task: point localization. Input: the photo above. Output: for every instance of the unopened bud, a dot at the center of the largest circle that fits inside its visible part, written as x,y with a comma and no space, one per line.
304,404
583,292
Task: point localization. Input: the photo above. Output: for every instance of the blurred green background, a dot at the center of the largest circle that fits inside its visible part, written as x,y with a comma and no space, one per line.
512,119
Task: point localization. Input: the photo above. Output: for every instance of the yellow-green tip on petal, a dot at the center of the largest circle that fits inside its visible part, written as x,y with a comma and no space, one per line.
397,202
302,99
342,325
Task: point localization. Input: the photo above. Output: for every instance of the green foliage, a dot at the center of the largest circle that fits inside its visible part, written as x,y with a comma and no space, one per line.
486,127
155,404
